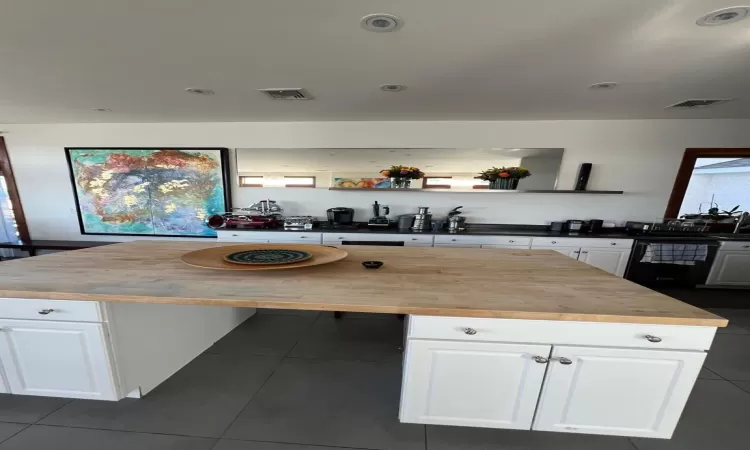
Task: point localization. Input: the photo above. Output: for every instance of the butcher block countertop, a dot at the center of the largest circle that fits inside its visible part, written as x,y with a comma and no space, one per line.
438,281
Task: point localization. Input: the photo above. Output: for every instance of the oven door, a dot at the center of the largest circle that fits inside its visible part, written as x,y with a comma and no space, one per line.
669,275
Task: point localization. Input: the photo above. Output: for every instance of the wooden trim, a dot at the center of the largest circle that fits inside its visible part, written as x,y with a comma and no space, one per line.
15,199
434,186
686,171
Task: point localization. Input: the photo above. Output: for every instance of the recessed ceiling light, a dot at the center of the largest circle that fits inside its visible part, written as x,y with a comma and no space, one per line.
724,16
381,23
603,85
392,87
101,109
198,91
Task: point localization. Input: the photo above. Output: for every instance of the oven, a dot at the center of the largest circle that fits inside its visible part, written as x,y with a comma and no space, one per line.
670,275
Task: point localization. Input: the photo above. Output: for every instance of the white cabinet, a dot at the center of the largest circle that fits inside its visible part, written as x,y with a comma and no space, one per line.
614,260
56,359
510,247
474,384
514,242
567,251
269,237
614,391
731,266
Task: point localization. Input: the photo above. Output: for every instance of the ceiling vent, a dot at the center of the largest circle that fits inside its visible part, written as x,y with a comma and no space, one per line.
286,94
702,103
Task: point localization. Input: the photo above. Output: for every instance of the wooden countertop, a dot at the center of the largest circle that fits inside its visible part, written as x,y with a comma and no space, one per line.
467,282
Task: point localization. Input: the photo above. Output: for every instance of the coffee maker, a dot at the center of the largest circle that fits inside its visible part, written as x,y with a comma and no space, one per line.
340,217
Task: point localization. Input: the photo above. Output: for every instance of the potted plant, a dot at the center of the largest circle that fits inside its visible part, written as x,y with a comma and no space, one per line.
401,176
504,177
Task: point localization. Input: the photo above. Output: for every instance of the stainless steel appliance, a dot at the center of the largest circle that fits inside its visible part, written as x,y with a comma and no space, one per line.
574,226
422,220
405,221
378,220
340,216
595,226
299,222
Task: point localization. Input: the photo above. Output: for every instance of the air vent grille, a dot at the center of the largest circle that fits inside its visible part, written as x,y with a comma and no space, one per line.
698,103
286,94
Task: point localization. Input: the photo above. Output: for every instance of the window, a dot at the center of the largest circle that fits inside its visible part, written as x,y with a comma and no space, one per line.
277,181
711,178
12,220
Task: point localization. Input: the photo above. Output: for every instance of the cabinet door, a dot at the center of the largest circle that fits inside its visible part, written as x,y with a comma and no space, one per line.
622,392
614,261
471,384
56,359
567,251
731,268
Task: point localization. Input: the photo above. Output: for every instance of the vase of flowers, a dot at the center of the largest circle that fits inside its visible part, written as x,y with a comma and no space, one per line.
401,176
504,177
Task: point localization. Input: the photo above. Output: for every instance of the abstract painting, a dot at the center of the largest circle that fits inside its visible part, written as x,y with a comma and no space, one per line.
148,191
361,183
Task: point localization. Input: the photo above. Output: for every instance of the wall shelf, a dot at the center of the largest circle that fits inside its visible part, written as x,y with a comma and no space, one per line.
480,191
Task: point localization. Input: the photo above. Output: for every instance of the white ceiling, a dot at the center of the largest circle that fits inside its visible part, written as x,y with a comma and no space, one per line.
461,60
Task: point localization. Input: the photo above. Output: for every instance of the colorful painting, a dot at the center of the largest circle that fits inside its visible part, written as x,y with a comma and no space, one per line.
362,183
157,192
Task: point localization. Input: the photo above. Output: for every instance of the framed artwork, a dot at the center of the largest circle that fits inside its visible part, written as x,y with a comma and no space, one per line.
149,191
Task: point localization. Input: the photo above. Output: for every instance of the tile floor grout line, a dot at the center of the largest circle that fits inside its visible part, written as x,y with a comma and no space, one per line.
16,433
159,433
630,440
732,382
281,361
302,444
52,412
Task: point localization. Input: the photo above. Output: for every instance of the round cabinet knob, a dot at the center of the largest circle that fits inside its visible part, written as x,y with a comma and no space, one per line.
470,331
554,242
746,246
653,338
565,361
613,243
413,239
541,359
511,241
44,312
303,237
453,240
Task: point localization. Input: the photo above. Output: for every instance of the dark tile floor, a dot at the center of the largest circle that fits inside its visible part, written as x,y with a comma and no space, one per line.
288,380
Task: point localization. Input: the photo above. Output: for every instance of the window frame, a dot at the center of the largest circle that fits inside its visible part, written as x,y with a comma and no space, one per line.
682,180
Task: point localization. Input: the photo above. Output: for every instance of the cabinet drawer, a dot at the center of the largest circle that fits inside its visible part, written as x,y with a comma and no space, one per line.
561,332
497,240
36,309
240,236
301,237
409,239
736,245
581,242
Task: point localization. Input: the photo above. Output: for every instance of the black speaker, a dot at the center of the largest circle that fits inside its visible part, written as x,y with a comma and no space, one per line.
583,176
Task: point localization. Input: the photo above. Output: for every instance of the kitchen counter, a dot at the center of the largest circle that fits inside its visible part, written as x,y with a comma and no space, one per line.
458,282
489,230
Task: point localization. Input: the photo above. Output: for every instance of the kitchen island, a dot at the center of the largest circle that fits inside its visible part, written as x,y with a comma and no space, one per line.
524,339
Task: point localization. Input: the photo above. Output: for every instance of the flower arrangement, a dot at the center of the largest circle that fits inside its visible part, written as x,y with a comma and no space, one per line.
411,173
513,173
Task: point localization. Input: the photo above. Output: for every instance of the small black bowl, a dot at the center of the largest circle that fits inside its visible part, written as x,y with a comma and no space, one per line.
372,264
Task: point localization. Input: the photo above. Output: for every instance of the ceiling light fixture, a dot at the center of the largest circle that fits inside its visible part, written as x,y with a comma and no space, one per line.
603,85
101,109
392,87
198,91
724,16
381,23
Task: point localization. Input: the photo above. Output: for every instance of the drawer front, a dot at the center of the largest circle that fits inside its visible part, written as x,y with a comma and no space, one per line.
736,245
414,239
561,332
36,309
312,238
581,242
240,236
497,240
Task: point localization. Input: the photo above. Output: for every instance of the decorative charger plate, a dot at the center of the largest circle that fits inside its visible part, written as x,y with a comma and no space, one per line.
268,256
215,257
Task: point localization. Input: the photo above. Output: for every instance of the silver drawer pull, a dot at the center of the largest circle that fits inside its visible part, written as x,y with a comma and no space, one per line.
470,331
453,240
746,246
653,338
44,312
541,359
613,243
565,361
511,241
303,237
554,242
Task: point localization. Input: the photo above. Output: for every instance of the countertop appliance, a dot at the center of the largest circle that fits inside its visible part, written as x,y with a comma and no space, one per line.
422,220
670,275
379,221
575,226
595,226
299,222
456,223
405,221
340,216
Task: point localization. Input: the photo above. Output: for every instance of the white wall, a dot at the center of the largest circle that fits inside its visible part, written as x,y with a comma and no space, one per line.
639,157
